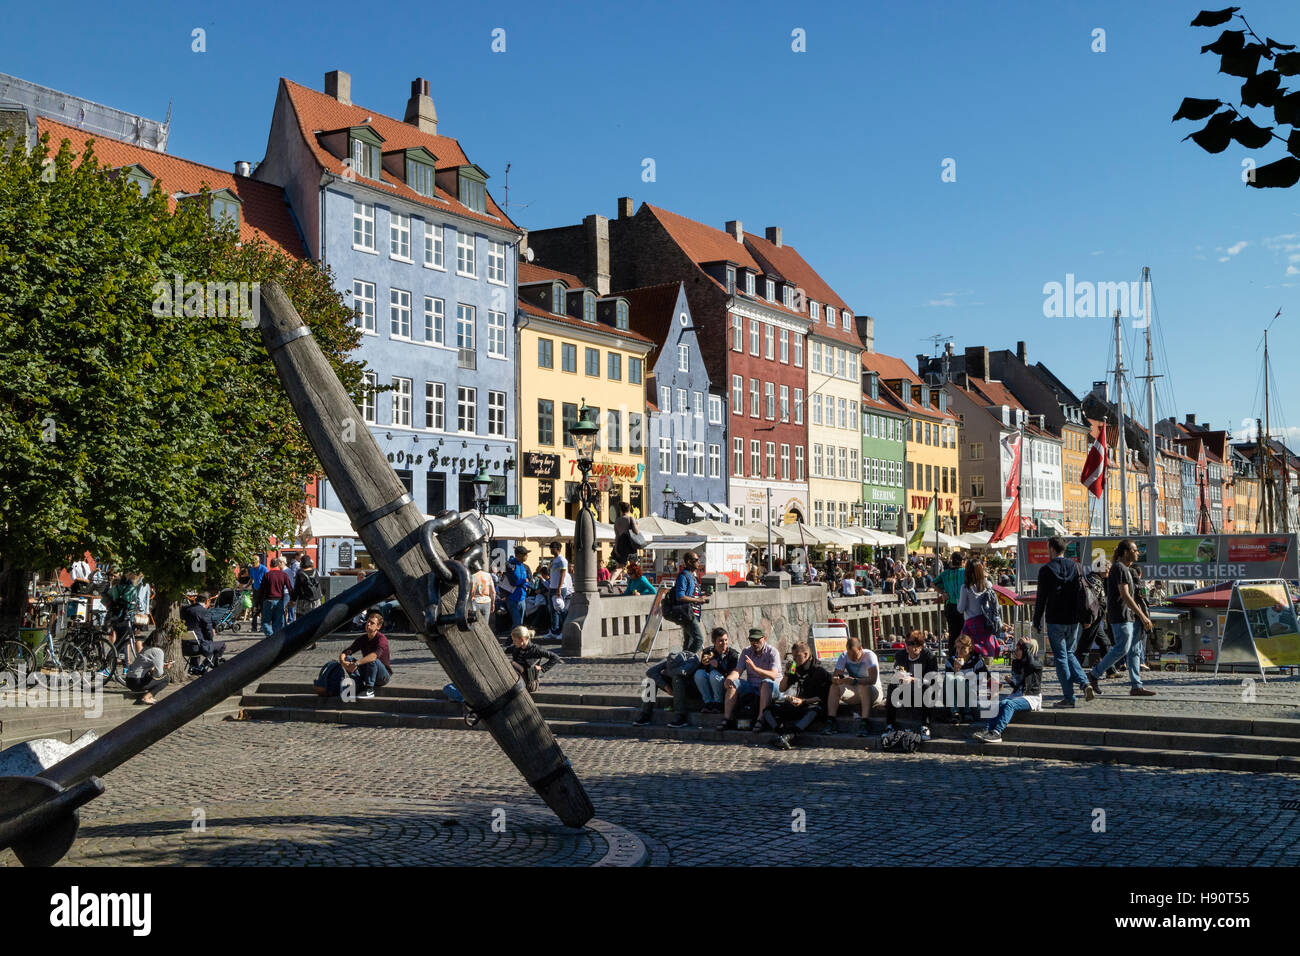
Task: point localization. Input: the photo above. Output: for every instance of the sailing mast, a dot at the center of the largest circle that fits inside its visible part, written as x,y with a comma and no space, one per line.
1266,448
1119,410
1151,401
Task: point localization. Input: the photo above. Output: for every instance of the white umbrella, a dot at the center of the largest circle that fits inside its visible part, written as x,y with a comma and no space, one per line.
976,539
505,528
1008,542
660,526
831,535
323,523
715,529
858,534
884,539
604,532
549,526
796,535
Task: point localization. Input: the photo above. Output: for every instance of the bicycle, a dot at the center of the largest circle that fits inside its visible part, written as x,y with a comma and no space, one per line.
96,645
64,659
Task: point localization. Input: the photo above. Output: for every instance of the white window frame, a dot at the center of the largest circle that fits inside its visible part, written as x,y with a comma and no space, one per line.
715,409
466,409
798,406
755,458
754,408
399,236
363,294
465,263
697,404
737,394
682,401
769,400
798,463
465,323
785,403
785,462
785,347
683,456
434,249
715,460
435,406
769,341
665,455
683,357
798,350
369,412
496,329
435,320
697,459
666,399
753,336
496,271
769,458
399,314
737,333
363,215
737,456
401,402
497,414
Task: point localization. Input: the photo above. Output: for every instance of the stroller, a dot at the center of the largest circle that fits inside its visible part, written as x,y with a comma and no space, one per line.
225,613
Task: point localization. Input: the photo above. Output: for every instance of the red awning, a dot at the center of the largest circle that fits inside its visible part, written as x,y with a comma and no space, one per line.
1215,595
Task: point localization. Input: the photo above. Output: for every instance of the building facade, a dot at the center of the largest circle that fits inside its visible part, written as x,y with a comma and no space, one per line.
687,439
884,447
578,348
428,261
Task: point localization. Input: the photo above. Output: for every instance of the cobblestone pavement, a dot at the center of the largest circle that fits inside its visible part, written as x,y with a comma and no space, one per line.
1178,692
307,794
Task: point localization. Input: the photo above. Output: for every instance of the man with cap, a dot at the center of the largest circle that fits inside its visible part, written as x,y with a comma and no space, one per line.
516,579
760,664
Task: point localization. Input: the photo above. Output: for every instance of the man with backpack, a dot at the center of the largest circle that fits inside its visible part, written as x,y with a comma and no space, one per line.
1063,600
122,600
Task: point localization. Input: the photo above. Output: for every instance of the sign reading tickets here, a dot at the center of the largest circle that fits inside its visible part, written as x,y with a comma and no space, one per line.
1208,557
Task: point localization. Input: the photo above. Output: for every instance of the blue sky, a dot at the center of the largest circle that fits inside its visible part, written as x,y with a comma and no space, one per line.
1066,159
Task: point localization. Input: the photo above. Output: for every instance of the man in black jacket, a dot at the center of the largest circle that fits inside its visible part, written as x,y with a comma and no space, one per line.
1059,596
917,669
805,686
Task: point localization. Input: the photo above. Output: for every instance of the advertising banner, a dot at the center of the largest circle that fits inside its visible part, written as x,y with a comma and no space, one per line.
1207,557
1260,627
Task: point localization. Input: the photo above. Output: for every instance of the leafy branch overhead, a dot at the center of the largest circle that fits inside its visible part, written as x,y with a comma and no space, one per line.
1227,122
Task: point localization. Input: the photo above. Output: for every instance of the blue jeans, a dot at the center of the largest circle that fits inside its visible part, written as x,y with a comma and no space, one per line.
1007,707
752,688
290,612
1128,643
272,616
373,674
516,612
1064,638
710,682
557,613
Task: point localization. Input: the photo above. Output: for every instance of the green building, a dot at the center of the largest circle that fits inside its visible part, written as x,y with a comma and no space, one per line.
884,427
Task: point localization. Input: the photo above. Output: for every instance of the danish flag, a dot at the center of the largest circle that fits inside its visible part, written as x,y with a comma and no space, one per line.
1093,476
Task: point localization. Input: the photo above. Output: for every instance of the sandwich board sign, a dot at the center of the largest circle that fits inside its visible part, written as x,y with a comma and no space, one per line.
1260,627
652,622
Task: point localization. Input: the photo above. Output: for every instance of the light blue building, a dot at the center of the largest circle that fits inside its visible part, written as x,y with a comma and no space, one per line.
428,260
685,470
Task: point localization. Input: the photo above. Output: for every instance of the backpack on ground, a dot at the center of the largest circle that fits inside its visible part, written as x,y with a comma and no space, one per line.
331,678
901,741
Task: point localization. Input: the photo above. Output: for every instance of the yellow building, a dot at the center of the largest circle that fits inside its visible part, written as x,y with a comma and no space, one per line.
1075,442
577,348
931,454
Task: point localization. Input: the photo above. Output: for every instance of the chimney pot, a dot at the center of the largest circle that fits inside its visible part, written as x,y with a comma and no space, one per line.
420,112
242,168
736,229
1191,419
1021,353
625,207
339,85
774,235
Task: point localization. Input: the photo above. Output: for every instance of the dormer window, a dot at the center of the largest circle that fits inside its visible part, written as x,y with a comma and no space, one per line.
589,307
749,282
787,296
224,203
814,310
771,290
620,316
557,297
830,315
731,280
363,150
139,177
419,176
473,188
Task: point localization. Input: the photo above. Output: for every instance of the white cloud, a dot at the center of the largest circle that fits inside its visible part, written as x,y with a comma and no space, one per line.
947,302
1236,247
1099,252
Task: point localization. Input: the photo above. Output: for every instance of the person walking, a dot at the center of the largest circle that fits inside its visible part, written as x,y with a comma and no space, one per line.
306,591
1058,601
1124,615
255,575
687,602
273,595
561,588
977,597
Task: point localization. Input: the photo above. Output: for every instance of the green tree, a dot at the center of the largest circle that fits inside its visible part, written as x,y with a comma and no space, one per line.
156,436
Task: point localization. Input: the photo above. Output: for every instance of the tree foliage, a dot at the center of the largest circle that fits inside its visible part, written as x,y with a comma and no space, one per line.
143,434
1260,90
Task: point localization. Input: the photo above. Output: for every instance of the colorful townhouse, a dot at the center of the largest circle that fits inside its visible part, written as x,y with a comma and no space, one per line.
751,324
427,259
884,446
686,445
578,348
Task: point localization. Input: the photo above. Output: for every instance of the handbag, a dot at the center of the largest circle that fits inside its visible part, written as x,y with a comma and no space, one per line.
628,544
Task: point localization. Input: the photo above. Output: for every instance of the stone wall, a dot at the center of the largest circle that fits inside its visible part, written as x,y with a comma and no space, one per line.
785,614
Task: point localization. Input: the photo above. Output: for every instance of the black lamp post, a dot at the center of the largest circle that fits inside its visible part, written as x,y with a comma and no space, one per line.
584,432
670,496
482,484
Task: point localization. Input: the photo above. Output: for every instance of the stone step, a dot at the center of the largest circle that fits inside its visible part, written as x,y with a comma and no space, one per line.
67,727
1013,746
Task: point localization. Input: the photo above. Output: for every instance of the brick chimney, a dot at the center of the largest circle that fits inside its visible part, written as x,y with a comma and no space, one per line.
774,235
625,207
419,108
977,362
1191,419
339,85
866,331
736,229
1021,353
595,230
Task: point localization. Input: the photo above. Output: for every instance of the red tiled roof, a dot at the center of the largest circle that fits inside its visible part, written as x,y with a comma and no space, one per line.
264,211
319,112
891,369
528,272
529,308
993,393
786,262
704,244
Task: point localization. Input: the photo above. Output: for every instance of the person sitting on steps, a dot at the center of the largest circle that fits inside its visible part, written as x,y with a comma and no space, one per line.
856,680
529,661
804,687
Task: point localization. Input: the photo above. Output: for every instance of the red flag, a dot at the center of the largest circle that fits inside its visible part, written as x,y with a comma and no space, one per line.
1011,463
1093,476
1010,523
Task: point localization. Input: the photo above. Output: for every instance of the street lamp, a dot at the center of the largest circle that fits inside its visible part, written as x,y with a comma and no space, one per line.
482,484
584,432
670,496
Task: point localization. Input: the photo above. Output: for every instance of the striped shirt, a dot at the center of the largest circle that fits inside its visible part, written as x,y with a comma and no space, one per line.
951,582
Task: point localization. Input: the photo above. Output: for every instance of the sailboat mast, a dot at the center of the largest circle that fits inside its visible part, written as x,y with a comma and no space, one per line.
1267,445
1151,402
1119,407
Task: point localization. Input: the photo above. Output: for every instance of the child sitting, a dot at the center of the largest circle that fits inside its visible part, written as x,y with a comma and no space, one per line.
529,660
1026,686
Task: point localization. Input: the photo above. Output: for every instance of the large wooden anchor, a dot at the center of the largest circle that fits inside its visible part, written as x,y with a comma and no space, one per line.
425,563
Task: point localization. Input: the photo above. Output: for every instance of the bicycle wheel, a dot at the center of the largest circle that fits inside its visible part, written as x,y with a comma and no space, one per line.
15,659
74,668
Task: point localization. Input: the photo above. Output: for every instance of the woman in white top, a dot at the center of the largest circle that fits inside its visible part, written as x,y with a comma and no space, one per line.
971,607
